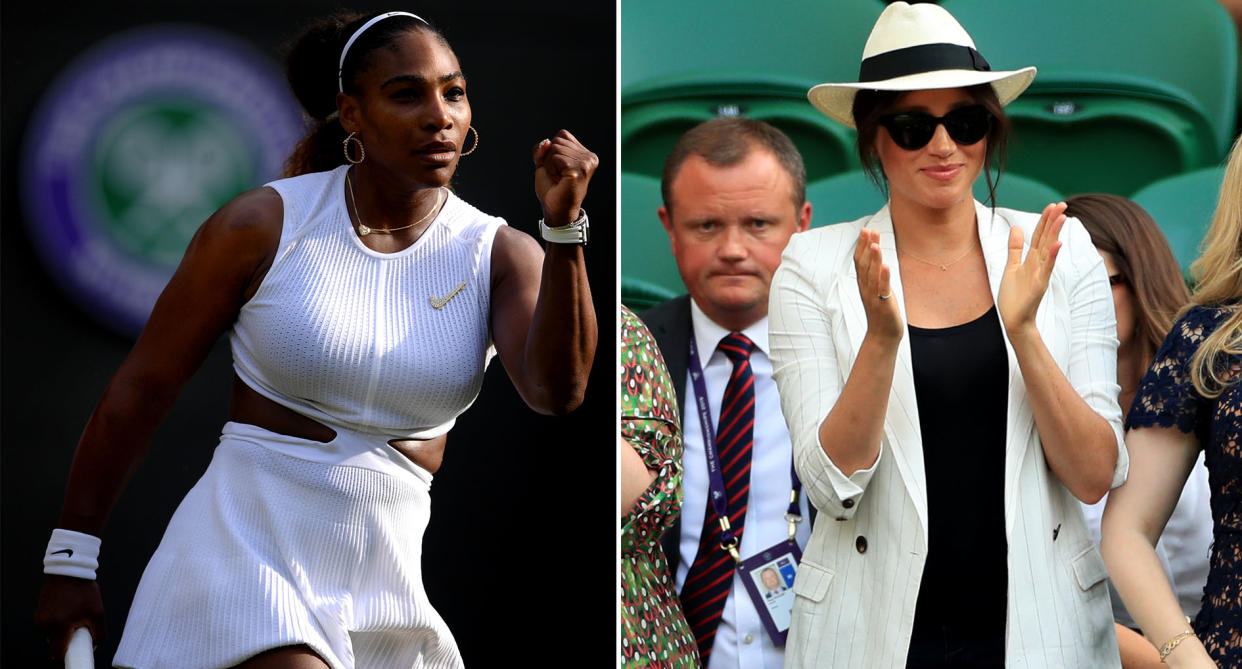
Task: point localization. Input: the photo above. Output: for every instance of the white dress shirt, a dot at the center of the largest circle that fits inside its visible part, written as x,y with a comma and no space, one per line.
741,640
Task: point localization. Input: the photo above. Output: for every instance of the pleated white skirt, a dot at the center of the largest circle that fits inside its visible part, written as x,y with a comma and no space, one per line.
287,541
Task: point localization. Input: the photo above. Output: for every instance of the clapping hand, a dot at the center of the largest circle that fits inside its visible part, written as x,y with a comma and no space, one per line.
883,317
1025,280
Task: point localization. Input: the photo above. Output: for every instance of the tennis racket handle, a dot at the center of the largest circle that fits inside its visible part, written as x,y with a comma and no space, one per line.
81,653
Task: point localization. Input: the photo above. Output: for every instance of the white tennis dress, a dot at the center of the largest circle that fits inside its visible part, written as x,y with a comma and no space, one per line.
288,541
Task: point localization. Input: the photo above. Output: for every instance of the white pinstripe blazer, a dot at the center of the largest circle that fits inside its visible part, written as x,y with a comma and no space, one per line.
855,601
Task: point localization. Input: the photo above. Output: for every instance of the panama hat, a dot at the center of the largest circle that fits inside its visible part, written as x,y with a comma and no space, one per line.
913,48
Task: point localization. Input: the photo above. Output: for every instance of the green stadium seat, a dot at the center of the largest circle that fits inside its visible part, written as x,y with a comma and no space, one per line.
1128,91
686,62
1187,48
844,197
849,196
714,40
645,253
1085,142
1015,191
1183,206
639,295
650,129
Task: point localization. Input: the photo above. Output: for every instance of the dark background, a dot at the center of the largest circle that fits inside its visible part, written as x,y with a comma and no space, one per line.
521,501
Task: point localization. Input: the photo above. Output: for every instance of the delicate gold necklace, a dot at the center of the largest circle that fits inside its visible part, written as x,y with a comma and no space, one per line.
363,230
944,267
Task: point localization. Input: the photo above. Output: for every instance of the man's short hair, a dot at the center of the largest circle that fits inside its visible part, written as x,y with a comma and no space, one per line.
727,141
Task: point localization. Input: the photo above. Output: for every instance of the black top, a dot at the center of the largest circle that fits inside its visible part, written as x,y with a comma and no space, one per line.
961,381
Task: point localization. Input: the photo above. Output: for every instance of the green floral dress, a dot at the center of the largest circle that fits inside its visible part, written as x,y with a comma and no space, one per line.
654,632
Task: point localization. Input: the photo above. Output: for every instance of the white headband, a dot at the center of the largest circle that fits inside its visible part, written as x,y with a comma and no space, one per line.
340,84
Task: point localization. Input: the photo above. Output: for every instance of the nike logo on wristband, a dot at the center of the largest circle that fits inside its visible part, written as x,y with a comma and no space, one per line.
67,551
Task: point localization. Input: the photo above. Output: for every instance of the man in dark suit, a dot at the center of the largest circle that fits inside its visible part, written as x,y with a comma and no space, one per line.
734,192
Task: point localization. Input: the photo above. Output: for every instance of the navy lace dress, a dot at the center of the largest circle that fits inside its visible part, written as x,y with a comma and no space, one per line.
1167,398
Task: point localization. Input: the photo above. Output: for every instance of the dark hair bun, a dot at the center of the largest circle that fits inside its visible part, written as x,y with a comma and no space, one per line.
313,61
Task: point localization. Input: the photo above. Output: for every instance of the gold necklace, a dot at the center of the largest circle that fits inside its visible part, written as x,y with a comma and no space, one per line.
944,267
363,230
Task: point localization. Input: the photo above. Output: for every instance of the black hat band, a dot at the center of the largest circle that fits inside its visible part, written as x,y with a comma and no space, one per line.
919,59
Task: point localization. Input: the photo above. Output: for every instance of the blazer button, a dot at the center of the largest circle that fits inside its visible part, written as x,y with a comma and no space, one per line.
861,544
848,503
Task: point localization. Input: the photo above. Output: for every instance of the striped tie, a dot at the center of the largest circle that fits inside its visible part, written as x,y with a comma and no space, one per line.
711,576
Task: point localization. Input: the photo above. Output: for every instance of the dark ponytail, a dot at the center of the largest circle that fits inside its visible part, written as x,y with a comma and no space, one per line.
311,68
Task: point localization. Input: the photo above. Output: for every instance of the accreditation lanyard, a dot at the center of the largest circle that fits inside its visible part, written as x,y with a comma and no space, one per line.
716,486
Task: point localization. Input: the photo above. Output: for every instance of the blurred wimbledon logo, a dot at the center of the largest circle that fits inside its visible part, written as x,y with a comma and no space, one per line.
160,170
135,144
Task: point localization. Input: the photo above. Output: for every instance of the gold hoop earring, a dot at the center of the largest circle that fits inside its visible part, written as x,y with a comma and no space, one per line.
476,141
362,150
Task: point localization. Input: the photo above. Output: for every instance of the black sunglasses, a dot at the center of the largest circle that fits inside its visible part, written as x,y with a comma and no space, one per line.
913,130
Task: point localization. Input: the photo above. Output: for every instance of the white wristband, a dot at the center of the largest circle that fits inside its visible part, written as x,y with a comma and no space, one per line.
72,553
574,233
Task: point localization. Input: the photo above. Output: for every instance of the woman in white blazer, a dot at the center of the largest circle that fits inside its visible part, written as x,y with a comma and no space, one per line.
948,374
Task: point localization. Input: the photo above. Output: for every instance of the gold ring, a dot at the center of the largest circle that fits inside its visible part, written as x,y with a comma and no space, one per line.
885,297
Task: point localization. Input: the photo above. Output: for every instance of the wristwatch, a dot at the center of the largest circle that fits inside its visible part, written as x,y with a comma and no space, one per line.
574,233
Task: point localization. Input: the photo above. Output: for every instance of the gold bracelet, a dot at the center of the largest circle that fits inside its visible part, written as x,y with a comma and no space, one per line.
1172,644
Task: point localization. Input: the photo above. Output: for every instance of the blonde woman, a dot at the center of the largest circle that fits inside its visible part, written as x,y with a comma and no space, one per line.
1189,401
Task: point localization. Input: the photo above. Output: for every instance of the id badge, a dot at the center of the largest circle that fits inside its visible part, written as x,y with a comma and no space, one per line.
769,577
